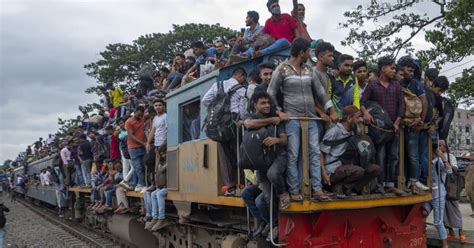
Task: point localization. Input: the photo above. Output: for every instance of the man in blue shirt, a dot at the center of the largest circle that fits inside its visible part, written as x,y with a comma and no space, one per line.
250,34
202,55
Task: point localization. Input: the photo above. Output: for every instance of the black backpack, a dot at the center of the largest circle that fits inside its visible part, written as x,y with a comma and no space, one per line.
219,125
448,115
360,150
382,130
253,154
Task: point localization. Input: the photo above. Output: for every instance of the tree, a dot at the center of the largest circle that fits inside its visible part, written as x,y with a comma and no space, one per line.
462,90
449,33
121,63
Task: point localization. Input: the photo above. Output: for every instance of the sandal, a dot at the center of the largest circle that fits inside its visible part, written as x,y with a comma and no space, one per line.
320,196
296,196
284,201
462,239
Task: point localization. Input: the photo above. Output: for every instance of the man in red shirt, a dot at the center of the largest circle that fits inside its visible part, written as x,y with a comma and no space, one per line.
136,144
282,27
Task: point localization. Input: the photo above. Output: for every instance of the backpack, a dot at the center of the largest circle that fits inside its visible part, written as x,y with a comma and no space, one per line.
413,106
448,115
381,131
253,154
219,125
360,150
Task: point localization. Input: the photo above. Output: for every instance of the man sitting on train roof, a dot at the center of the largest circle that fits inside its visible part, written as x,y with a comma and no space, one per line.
282,27
339,168
202,55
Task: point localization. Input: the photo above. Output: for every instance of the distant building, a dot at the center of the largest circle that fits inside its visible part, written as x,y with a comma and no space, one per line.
461,133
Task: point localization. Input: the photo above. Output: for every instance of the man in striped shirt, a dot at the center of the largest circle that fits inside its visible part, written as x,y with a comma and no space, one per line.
293,79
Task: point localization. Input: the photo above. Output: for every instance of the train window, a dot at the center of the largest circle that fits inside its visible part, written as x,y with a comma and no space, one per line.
190,120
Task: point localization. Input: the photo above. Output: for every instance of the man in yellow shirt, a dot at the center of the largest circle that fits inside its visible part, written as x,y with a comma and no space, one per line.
115,95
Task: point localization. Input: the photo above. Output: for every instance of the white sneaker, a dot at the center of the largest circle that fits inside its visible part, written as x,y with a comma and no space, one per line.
421,186
139,188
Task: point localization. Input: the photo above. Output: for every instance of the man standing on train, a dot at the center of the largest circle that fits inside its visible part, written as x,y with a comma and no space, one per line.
293,80
339,169
388,94
136,144
412,125
227,150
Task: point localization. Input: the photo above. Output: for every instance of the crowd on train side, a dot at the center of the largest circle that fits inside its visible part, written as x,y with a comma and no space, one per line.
345,101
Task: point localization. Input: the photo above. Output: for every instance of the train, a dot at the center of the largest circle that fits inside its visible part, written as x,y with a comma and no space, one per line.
203,217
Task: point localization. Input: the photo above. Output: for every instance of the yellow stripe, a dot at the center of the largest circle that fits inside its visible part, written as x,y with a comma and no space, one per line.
313,206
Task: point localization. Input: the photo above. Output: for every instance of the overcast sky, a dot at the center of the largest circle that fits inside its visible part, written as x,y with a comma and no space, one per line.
44,45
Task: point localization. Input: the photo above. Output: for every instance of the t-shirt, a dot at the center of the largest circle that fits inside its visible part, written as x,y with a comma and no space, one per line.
86,150
283,28
116,97
161,129
211,52
136,128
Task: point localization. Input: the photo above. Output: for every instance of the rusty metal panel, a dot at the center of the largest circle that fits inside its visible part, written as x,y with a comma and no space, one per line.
172,173
198,172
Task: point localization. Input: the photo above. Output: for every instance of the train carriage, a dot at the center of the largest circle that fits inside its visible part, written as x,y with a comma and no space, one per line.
204,217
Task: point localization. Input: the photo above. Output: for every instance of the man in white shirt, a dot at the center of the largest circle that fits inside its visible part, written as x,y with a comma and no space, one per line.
66,157
47,176
227,150
41,177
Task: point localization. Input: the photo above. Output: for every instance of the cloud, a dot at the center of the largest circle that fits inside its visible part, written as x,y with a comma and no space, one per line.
44,45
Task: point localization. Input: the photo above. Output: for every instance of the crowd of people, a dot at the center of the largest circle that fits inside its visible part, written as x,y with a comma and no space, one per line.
123,146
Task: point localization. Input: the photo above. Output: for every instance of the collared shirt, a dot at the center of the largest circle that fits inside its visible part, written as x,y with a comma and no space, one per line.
136,128
283,28
389,98
250,34
65,155
237,100
344,93
332,153
436,164
299,91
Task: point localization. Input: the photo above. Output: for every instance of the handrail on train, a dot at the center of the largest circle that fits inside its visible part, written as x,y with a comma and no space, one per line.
306,182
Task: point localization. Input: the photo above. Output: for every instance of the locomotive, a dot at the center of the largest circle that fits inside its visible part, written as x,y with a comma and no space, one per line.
204,217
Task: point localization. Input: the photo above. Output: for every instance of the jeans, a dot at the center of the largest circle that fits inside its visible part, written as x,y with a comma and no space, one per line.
387,158
249,195
158,203
293,146
78,177
137,156
275,46
148,206
438,205
2,235
423,155
86,171
412,146
275,175
109,196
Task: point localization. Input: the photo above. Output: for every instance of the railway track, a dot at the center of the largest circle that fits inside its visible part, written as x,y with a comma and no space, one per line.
76,234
